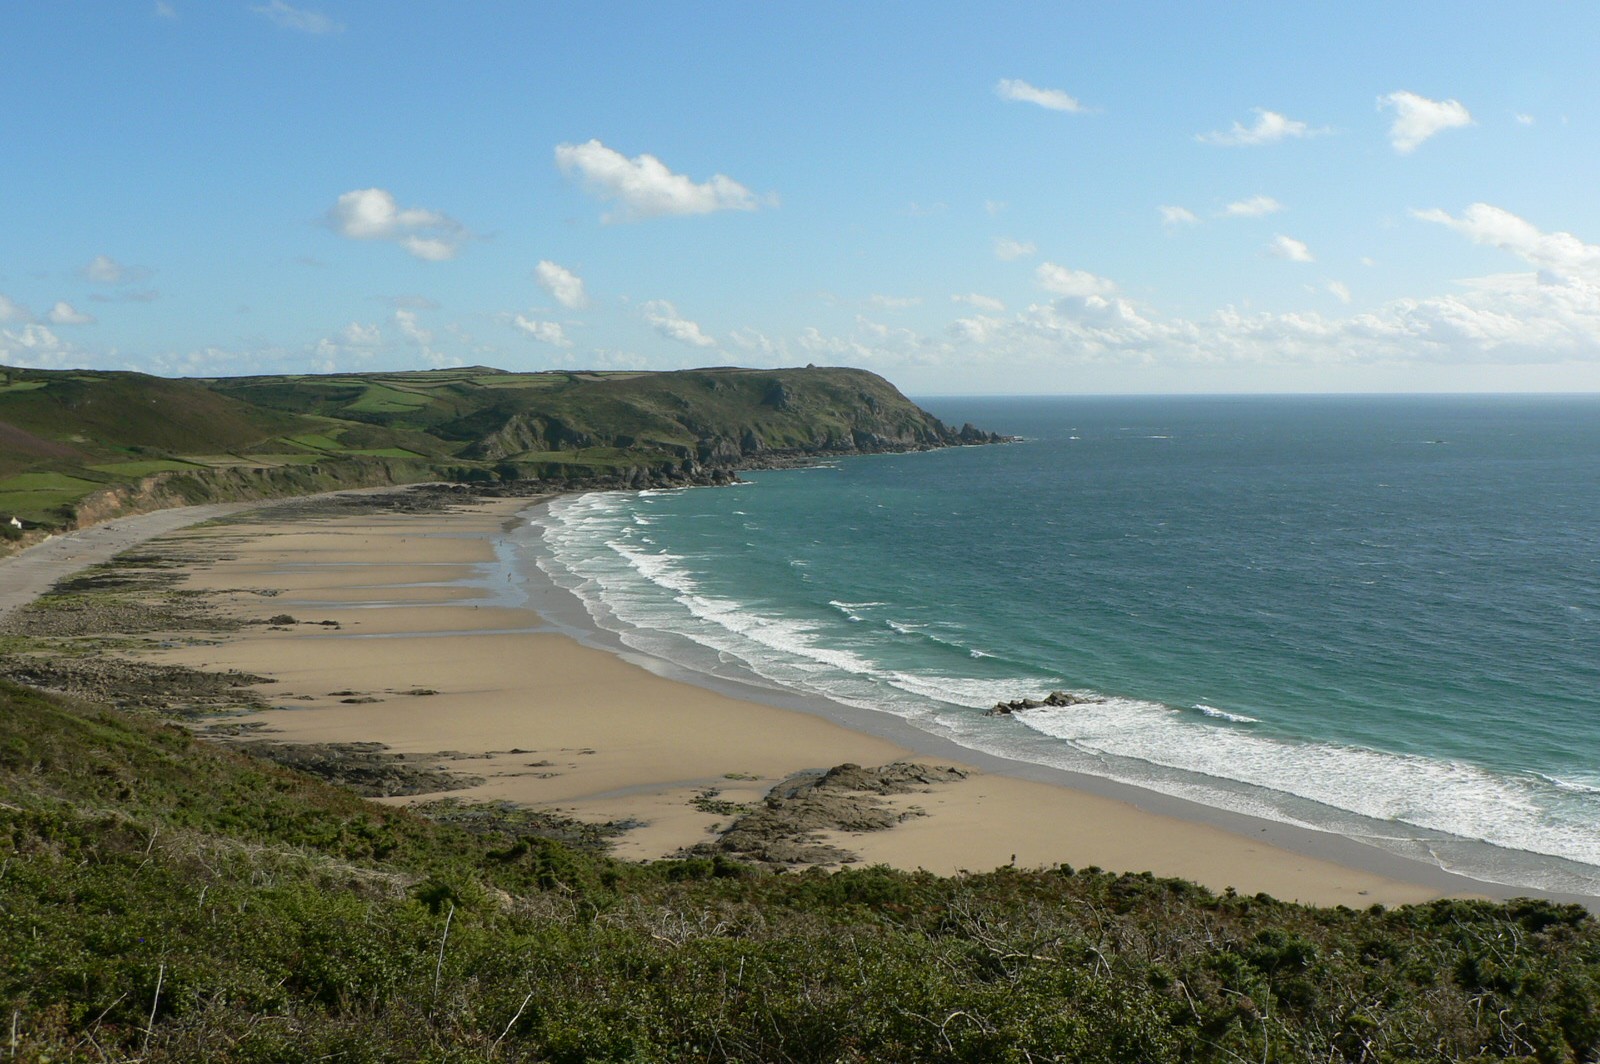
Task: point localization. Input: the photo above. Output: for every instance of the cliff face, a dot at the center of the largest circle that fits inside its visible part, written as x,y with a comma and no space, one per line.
724,418
82,446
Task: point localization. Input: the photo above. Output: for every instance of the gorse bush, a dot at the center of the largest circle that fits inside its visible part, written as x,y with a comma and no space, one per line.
163,899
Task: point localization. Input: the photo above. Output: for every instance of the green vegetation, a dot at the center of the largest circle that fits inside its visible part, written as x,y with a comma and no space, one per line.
155,442
144,469
167,899
40,496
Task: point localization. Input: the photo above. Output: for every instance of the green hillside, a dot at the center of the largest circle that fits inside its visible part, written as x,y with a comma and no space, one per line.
165,899
82,445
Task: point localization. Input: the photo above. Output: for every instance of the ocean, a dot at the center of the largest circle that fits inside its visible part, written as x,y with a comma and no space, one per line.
1376,616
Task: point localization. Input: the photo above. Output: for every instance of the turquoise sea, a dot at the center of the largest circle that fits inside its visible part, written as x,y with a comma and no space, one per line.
1375,616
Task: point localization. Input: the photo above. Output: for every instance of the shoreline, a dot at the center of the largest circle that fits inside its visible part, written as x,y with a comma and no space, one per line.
624,739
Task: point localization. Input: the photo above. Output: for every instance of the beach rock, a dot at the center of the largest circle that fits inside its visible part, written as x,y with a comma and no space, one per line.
369,769
1054,698
785,829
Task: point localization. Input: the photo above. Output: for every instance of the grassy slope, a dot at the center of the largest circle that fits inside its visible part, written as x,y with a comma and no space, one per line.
285,920
90,430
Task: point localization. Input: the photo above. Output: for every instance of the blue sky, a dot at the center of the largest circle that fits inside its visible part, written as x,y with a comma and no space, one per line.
985,199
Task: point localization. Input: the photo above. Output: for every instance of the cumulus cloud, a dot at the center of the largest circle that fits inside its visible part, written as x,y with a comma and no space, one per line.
1268,128
1287,247
1547,314
1022,92
643,187
303,20
1254,207
1078,284
417,335
758,344
664,318
982,302
1339,291
564,286
358,335
546,332
1416,118
373,214
11,310
895,302
355,343
1010,250
1523,119
1559,255
36,347
64,313
429,248
1173,217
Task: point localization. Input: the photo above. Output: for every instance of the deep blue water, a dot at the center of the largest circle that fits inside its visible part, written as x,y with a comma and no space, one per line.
1375,615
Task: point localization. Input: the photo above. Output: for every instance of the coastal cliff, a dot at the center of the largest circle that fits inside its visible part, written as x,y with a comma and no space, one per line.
86,446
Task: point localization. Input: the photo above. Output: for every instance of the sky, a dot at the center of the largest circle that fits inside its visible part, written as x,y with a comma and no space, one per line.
968,199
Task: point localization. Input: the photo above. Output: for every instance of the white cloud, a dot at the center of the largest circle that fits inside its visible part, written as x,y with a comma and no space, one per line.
1340,291
546,332
1523,119
165,10
1254,207
1010,250
664,318
1560,255
373,214
1053,99
1268,128
757,343
11,310
973,299
421,337
1416,118
993,208
1176,216
1287,247
36,347
296,18
357,335
412,329
64,313
1078,284
643,187
895,302
429,248
103,269
563,285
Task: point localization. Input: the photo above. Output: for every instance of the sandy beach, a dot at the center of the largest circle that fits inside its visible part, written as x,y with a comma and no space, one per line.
427,655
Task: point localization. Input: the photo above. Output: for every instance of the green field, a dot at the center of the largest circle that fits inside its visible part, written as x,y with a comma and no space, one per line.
472,423
34,495
143,469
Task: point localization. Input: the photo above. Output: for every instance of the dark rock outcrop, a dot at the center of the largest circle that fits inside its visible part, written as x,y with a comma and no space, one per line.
785,829
1054,698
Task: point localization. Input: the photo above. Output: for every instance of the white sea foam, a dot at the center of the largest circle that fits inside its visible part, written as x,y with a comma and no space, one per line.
659,604
1443,795
1222,714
